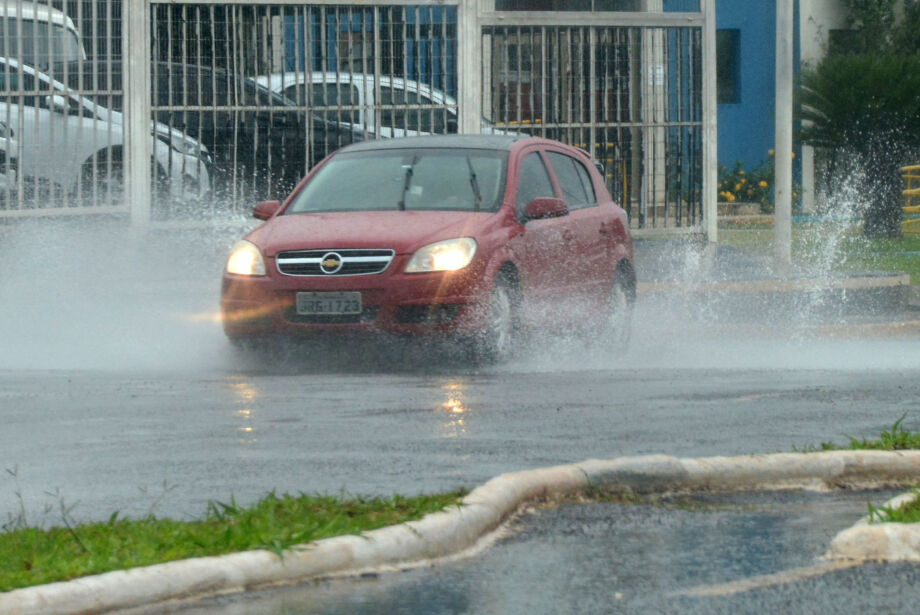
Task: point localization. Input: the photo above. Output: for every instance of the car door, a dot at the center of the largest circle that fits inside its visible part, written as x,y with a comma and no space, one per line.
591,258
543,249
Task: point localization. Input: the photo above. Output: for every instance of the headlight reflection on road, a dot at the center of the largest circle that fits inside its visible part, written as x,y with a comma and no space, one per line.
246,394
455,409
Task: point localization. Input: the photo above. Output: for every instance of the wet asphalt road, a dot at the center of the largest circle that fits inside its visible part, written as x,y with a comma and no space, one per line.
169,442
119,393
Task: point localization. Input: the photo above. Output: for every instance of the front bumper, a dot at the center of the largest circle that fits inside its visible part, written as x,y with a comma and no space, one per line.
403,304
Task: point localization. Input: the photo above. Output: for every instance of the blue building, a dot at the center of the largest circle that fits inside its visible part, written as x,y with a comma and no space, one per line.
746,61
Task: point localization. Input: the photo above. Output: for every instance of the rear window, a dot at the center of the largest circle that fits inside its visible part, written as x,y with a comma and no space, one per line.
411,179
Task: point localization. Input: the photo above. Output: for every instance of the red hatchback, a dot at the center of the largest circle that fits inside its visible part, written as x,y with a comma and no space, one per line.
472,237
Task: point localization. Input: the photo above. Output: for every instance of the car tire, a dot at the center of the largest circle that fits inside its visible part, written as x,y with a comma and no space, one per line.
495,343
103,178
620,308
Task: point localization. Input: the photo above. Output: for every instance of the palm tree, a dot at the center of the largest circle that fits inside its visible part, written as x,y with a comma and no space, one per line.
864,111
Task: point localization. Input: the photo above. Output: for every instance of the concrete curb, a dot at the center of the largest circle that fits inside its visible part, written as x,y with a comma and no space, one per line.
455,530
880,541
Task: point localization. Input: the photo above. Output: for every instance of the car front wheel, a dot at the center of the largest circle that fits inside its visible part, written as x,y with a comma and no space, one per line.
496,341
620,307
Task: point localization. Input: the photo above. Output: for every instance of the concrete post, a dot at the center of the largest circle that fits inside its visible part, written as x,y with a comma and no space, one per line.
469,67
137,134
782,220
710,123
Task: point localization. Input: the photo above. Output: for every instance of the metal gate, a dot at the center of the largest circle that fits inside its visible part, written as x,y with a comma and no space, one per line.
245,98
630,95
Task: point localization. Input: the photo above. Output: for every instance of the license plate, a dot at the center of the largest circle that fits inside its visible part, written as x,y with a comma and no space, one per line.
314,304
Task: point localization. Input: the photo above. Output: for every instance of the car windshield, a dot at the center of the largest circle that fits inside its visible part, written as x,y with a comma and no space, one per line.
38,43
410,179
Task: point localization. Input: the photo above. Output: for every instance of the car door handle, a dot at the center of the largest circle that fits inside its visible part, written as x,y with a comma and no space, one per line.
568,235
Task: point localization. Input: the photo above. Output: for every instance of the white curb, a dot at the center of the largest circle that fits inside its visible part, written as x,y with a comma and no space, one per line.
879,541
457,529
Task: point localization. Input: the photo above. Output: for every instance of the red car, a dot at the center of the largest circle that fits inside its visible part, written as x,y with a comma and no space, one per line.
473,237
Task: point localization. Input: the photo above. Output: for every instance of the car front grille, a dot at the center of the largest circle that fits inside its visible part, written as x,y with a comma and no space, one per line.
334,262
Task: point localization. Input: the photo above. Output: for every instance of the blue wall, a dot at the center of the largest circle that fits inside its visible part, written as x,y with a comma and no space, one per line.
746,129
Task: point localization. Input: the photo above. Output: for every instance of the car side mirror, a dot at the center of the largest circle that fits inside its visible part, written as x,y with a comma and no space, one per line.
266,209
545,207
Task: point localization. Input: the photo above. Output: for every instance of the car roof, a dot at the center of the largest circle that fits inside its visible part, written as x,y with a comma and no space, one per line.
281,80
493,142
30,11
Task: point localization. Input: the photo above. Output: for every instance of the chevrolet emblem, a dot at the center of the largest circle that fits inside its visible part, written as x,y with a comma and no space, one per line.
330,263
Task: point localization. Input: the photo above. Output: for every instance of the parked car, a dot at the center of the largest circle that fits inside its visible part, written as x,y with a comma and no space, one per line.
253,134
9,164
38,35
407,108
474,237
68,143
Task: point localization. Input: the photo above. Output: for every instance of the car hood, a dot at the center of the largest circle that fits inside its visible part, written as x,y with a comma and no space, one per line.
402,231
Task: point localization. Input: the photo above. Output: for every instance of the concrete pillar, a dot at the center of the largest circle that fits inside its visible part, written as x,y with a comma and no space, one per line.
782,218
138,143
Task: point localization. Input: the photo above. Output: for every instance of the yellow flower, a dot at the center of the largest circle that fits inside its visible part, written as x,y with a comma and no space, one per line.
763,183
741,172
771,152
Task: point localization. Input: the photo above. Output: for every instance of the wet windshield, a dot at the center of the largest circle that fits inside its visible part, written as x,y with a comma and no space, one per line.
410,179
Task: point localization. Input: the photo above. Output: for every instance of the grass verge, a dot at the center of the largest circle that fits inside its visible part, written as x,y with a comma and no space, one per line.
34,556
898,438
841,246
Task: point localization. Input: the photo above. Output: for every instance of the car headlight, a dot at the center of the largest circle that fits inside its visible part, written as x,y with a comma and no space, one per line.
184,145
449,255
245,259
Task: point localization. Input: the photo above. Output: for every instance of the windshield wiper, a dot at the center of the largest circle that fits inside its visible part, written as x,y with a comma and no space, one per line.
475,184
406,182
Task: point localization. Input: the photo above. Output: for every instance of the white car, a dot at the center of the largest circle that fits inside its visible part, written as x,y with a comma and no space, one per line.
67,141
406,107
44,35
8,163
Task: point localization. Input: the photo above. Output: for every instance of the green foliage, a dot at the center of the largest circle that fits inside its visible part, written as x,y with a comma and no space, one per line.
873,23
909,513
864,110
898,438
33,556
751,186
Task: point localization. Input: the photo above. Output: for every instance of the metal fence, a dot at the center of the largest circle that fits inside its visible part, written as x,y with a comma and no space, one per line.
245,98
632,96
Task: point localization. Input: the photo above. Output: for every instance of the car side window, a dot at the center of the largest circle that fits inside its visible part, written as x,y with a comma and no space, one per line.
533,181
328,96
574,187
393,117
586,182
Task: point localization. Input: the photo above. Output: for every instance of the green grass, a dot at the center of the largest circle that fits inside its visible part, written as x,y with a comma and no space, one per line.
909,513
842,247
898,438
33,556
